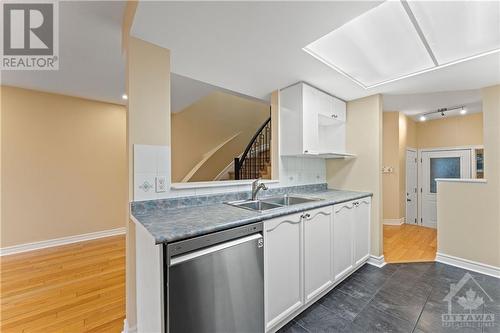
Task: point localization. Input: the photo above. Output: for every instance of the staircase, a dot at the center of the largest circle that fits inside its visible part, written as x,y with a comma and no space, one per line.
255,162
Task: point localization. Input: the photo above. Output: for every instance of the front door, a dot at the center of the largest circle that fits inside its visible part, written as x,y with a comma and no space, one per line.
411,187
440,164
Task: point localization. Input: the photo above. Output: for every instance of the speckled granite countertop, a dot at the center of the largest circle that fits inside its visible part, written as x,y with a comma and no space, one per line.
173,224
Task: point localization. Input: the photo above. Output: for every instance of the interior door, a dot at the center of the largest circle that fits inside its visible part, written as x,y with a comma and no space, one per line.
411,187
440,164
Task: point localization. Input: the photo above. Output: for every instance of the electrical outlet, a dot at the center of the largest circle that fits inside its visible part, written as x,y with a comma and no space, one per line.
161,184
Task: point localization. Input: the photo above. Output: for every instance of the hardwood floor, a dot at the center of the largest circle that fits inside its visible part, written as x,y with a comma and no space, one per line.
72,288
409,243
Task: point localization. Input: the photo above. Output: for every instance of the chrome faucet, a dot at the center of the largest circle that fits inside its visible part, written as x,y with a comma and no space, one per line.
256,187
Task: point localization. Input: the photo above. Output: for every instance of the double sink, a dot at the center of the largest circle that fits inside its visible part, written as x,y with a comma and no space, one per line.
271,203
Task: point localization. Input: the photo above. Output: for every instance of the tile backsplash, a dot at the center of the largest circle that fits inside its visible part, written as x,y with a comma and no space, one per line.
302,171
151,164
152,161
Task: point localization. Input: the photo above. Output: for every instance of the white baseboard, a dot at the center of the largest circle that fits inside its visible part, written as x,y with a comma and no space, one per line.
394,221
59,241
468,264
127,329
376,261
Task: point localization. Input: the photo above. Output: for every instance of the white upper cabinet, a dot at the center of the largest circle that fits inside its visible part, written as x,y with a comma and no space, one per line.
311,122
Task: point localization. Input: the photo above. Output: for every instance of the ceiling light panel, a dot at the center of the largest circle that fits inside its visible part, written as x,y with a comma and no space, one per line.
377,46
457,30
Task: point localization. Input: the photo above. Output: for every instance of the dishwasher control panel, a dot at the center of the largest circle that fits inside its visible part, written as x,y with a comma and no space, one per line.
195,243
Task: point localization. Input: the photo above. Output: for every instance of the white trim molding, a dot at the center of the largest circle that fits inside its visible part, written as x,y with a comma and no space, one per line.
468,264
462,180
394,221
376,261
8,250
127,329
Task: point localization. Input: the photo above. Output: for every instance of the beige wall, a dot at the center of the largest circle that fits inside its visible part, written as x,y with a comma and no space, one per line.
391,208
469,214
450,132
206,124
63,166
148,122
407,139
363,173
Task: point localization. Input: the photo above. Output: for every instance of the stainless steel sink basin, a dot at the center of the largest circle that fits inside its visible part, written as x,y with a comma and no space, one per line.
256,205
271,203
287,200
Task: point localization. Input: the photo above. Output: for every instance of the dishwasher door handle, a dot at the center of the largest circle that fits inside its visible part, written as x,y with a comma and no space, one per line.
199,253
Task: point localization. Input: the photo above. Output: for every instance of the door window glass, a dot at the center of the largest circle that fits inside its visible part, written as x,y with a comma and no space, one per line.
444,167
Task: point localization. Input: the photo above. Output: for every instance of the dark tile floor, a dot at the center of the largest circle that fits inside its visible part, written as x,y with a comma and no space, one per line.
405,298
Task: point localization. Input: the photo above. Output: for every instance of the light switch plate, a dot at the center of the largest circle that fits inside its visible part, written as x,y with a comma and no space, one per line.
161,184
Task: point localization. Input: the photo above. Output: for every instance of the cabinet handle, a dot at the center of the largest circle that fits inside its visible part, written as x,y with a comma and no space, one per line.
335,116
306,216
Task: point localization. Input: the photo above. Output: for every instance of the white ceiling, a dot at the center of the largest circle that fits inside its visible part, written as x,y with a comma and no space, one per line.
91,62
415,104
256,47
252,48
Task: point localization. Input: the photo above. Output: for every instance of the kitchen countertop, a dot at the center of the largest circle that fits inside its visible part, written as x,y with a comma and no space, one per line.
168,225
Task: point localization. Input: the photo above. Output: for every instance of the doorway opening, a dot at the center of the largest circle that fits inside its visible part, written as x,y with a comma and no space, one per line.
418,152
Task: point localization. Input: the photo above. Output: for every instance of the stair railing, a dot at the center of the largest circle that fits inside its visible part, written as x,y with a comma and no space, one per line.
257,154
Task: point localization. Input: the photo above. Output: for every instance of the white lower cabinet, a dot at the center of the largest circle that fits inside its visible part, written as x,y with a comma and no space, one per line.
306,254
318,250
342,239
351,235
283,267
361,231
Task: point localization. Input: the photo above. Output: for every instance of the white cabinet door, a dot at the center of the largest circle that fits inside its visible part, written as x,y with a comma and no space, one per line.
361,224
311,104
339,109
283,267
342,239
318,251
291,126
325,104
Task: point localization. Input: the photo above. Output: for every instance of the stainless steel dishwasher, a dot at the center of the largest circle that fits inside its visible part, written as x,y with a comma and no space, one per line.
215,283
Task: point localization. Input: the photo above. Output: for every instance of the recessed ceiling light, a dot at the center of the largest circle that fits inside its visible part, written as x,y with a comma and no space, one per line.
423,118
124,97
463,111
